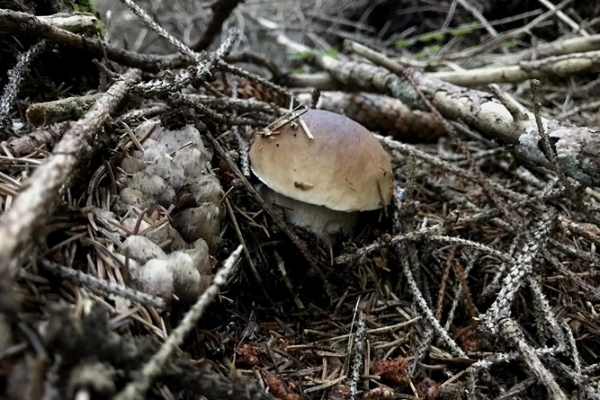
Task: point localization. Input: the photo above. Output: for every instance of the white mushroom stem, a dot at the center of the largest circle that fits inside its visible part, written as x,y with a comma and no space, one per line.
325,223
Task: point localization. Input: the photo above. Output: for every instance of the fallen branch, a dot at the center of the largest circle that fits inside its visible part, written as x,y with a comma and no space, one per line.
20,23
222,9
39,114
577,148
565,65
381,113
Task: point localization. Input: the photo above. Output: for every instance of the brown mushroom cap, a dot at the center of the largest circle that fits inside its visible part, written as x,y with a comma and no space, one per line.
343,168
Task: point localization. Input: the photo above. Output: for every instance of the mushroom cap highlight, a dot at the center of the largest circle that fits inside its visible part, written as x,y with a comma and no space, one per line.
344,168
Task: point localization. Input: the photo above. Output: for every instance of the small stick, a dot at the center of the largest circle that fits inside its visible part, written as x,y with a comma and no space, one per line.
535,88
15,77
287,282
357,353
512,333
95,283
305,128
221,9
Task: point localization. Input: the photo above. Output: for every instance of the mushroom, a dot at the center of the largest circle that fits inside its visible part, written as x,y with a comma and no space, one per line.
324,177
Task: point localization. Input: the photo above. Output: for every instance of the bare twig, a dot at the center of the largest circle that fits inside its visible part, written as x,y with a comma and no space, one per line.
479,17
109,287
161,31
240,236
520,268
428,314
550,154
11,89
221,9
358,348
512,333
565,18
172,83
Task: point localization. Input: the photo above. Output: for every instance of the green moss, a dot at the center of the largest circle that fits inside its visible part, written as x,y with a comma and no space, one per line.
86,6
100,27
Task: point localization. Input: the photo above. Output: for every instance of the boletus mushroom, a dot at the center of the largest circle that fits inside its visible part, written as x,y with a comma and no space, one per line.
324,177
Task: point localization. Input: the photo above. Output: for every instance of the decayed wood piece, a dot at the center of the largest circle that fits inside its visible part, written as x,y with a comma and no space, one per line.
47,135
577,148
39,114
36,202
381,113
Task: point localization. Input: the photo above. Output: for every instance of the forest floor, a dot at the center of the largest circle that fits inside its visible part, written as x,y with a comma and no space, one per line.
137,260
